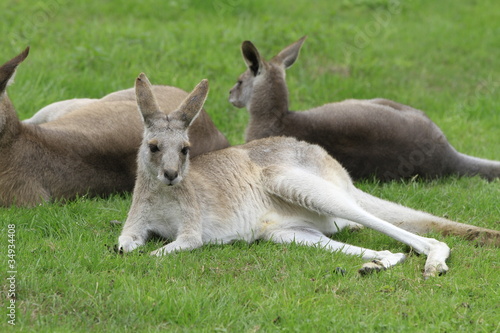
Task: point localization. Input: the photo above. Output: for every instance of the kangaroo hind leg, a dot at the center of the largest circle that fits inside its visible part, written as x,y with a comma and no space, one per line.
302,188
378,260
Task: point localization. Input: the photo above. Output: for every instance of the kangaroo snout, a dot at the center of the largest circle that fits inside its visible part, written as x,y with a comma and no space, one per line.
170,176
233,98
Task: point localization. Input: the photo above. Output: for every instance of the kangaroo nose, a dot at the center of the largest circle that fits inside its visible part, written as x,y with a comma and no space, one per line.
170,174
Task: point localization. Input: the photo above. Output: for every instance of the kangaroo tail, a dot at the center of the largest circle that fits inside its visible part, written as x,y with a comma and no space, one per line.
421,223
470,166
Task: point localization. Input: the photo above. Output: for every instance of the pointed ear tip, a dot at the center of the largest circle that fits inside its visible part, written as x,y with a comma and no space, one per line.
246,43
142,79
203,86
23,54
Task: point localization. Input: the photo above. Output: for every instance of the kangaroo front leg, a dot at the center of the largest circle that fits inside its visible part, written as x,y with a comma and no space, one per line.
379,260
134,234
135,230
185,243
189,235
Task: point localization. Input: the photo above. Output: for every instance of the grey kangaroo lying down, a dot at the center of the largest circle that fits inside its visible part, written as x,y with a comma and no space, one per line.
376,137
278,189
90,148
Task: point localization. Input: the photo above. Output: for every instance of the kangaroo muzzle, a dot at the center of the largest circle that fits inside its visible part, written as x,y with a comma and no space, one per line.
169,177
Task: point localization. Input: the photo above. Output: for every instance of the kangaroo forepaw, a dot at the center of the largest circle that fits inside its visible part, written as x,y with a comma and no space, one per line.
127,244
164,250
159,252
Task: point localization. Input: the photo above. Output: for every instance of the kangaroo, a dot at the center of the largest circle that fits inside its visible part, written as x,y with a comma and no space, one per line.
91,149
58,109
370,138
277,189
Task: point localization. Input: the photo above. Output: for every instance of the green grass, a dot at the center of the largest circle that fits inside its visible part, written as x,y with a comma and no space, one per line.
440,56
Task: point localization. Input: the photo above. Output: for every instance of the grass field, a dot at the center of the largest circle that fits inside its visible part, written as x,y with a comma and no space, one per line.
440,56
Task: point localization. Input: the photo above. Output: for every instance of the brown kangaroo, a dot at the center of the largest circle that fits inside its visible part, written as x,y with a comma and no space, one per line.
91,150
376,137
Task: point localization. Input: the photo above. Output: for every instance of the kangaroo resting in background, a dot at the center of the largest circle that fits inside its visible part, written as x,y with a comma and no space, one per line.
376,137
58,109
278,189
90,150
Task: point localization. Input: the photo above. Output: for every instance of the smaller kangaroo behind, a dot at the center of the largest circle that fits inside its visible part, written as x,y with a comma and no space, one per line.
79,147
276,189
376,137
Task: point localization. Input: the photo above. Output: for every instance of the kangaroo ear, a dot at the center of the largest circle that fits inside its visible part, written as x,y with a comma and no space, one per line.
252,57
8,69
289,54
192,105
146,101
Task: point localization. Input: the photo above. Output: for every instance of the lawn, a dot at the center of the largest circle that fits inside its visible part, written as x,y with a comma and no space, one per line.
439,56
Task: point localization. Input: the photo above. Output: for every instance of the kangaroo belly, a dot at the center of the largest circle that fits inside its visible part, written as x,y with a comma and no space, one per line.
298,219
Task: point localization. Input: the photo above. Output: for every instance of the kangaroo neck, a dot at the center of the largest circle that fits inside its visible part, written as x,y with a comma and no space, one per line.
269,101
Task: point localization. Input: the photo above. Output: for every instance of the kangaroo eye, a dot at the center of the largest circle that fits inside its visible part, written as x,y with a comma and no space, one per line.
153,148
240,82
185,150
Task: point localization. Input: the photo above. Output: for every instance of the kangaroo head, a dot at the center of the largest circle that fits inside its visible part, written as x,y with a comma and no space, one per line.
164,152
8,115
262,75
